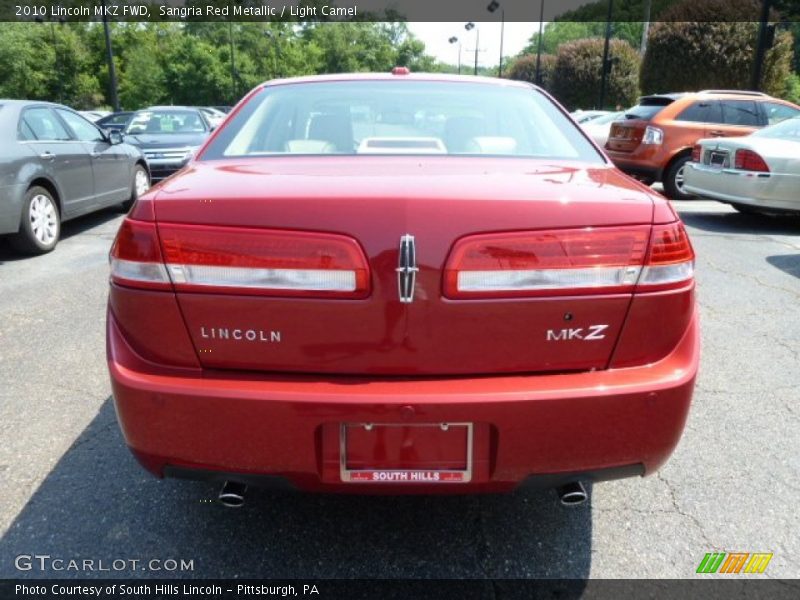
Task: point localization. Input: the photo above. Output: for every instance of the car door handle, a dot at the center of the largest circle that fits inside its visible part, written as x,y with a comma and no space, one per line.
47,156
716,133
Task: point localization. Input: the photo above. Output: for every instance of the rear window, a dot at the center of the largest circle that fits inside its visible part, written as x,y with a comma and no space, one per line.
401,117
166,121
648,108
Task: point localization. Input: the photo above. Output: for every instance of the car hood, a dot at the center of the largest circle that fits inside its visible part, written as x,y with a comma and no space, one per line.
166,140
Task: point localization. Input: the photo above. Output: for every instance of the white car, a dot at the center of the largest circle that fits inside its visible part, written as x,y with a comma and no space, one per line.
583,116
599,127
756,173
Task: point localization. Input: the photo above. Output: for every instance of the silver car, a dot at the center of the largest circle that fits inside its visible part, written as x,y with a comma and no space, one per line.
755,173
55,165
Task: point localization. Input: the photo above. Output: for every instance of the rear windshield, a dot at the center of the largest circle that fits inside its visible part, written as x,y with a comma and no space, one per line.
166,121
401,117
648,108
785,130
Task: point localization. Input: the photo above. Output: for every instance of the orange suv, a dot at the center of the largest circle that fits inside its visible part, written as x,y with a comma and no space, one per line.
654,141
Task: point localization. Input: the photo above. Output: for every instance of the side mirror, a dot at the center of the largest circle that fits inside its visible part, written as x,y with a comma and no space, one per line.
114,137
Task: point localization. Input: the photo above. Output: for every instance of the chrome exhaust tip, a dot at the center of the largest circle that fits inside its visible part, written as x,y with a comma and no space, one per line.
232,494
572,494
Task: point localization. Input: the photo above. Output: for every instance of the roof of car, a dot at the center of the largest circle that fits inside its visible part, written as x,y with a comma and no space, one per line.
437,77
168,108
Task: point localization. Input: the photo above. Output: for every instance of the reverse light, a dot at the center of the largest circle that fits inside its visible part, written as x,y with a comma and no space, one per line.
136,257
263,261
747,160
652,135
569,262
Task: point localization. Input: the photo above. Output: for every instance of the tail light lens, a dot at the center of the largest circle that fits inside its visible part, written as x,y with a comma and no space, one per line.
652,135
670,260
136,257
697,153
265,262
747,160
569,262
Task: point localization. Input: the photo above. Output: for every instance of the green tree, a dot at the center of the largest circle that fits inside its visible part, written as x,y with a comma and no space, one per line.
524,69
577,74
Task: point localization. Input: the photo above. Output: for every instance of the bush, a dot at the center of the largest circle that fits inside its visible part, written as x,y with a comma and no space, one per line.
524,69
688,52
578,73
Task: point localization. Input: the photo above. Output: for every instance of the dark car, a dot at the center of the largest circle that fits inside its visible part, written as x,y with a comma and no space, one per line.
115,121
168,136
56,165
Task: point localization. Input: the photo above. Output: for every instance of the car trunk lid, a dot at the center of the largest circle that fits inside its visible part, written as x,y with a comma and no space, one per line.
376,203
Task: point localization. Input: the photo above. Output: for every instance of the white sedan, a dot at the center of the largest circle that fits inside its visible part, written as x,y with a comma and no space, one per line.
756,173
599,127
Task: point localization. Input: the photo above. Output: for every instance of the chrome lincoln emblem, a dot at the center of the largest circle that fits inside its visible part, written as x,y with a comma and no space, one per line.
407,269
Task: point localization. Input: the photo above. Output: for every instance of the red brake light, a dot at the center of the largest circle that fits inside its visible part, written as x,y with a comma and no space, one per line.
569,262
266,262
697,153
546,263
670,261
747,160
136,256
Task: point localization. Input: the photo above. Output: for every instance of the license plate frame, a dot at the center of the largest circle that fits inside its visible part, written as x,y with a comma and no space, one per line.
717,160
407,476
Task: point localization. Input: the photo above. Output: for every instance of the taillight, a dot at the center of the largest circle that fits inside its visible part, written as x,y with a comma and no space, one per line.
670,260
546,263
652,135
697,153
747,160
569,262
136,257
263,261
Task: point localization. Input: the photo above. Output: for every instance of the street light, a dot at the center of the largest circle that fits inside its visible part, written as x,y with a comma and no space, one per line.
493,6
606,62
112,72
539,45
469,27
453,40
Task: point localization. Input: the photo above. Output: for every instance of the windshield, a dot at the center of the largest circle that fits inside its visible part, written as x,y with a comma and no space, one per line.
166,121
605,119
785,130
401,117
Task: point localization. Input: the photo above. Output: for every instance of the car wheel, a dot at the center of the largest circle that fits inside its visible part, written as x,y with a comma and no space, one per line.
40,226
140,185
674,179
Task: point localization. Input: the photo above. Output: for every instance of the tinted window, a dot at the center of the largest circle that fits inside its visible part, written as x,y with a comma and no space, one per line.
115,120
83,130
166,121
401,117
741,112
648,108
702,112
778,112
42,125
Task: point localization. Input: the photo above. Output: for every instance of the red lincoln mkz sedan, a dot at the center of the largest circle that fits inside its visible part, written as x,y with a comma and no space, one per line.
401,284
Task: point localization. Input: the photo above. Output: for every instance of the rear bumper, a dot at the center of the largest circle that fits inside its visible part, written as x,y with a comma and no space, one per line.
767,190
11,197
537,430
645,162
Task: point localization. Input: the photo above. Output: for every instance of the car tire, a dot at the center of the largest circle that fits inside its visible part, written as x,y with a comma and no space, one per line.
140,184
40,224
673,179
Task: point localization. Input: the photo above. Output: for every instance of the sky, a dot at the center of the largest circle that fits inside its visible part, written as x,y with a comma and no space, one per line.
435,36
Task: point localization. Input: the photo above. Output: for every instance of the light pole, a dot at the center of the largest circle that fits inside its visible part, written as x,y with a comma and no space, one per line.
454,40
56,58
469,27
112,72
275,50
606,62
493,6
539,45
233,61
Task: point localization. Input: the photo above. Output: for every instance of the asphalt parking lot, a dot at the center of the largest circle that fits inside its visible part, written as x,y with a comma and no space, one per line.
70,489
